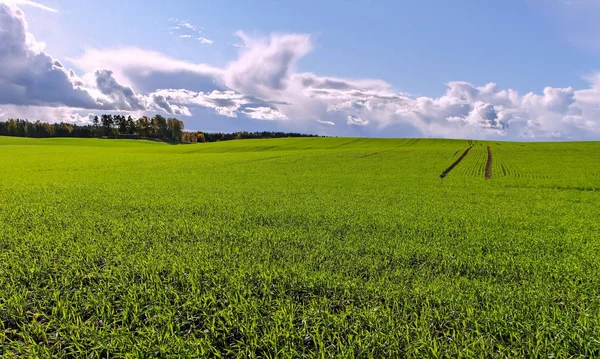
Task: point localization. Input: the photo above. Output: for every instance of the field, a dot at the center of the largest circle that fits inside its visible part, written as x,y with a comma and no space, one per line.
316,247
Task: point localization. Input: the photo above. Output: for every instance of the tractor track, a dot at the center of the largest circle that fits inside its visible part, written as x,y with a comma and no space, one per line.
488,165
447,170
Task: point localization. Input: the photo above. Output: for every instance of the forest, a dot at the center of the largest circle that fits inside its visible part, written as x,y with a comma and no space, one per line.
120,126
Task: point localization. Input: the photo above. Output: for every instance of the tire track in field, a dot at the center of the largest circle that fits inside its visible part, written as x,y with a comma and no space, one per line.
488,165
373,154
447,170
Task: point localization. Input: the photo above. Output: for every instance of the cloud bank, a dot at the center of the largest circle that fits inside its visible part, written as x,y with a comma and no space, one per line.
263,84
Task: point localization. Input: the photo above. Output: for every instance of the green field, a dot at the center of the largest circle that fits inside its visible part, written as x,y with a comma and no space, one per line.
316,247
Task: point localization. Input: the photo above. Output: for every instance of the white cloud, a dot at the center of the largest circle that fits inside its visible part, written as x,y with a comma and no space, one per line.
329,123
264,113
30,77
482,114
48,114
263,83
149,70
182,24
224,103
121,97
266,65
162,103
187,31
356,121
187,25
204,40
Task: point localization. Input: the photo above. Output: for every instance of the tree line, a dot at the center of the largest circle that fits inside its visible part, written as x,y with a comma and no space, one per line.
111,126
119,126
200,136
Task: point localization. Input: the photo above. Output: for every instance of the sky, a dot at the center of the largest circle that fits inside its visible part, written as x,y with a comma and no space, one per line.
507,70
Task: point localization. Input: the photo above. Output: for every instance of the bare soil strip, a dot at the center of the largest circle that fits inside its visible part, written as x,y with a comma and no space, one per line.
488,166
447,170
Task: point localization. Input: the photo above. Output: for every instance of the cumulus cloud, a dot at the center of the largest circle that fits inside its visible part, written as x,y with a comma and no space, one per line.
481,114
48,114
312,81
150,70
264,113
161,102
224,103
356,121
121,97
263,83
266,65
29,76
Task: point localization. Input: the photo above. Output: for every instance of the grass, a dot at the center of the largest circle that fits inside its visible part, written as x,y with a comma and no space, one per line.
316,247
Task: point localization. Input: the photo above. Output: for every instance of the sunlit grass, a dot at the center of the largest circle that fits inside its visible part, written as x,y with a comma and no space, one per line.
317,247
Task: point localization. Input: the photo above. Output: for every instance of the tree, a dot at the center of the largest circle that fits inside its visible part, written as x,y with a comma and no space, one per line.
175,129
48,130
189,137
130,125
142,126
95,123
159,124
153,128
157,127
11,128
115,125
122,123
107,123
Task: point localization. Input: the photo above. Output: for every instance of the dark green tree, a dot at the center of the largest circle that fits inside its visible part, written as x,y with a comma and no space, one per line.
107,123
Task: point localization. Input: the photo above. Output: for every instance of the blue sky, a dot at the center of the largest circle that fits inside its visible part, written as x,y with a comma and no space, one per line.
415,45
416,68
